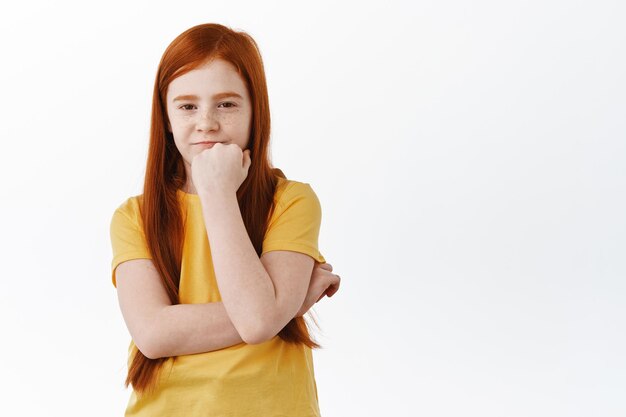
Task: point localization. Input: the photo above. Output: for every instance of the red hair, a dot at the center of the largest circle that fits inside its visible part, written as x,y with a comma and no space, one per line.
165,173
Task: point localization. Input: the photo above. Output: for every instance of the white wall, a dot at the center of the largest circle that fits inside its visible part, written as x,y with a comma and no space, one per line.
469,158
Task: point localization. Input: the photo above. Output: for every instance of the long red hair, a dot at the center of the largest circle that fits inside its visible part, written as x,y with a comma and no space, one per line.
160,211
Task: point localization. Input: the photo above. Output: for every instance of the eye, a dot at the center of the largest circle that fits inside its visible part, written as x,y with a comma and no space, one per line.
185,105
228,102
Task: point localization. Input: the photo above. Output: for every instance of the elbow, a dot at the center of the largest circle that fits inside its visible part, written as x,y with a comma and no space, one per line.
254,339
150,354
147,348
264,330
255,333
149,345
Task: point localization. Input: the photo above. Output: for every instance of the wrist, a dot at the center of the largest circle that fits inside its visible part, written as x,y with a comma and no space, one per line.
216,195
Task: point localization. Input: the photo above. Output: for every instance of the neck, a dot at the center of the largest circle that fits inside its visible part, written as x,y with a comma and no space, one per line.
189,187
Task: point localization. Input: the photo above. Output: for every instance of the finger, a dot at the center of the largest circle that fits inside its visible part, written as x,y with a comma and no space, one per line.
332,290
335,286
326,266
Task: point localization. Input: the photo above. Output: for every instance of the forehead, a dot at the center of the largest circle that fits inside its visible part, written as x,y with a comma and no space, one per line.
211,78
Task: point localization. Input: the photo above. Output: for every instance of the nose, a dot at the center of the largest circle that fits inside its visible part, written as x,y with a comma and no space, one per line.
207,121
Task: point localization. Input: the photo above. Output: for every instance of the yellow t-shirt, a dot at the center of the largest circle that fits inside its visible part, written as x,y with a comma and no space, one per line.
270,379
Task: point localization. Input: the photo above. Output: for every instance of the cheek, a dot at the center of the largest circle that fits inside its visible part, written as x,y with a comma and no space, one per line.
181,125
185,120
232,119
236,124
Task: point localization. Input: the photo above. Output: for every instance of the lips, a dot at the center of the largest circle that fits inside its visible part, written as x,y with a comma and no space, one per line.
206,143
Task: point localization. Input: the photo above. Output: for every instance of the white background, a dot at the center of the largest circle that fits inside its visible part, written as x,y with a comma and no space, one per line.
469,158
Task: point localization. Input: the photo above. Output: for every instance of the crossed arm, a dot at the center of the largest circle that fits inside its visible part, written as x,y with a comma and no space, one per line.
260,296
160,329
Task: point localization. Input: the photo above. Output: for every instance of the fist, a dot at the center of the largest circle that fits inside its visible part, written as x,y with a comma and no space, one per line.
220,169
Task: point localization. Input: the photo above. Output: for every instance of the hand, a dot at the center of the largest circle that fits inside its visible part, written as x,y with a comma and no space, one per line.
323,282
221,168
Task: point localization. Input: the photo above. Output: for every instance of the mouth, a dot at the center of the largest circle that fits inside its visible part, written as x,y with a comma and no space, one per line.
206,143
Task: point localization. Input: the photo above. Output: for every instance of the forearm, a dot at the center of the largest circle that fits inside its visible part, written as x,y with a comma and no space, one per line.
185,329
245,286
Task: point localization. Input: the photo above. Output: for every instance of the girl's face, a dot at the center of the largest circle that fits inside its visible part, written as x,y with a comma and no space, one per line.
209,103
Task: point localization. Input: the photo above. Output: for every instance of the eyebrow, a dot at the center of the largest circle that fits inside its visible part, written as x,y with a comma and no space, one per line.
215,97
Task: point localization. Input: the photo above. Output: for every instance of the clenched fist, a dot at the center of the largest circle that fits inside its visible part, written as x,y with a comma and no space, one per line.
220,169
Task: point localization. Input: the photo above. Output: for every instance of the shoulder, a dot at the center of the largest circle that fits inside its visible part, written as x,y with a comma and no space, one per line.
296,199
129,208
289,191
296,220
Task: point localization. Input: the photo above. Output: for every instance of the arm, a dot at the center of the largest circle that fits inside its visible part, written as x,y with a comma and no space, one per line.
257,307
160,329
185,329
194,328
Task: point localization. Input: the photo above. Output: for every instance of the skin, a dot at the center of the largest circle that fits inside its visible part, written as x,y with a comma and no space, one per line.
161,329
211,117
215,172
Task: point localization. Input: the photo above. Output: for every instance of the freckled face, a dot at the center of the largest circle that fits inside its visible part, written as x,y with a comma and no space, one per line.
209,103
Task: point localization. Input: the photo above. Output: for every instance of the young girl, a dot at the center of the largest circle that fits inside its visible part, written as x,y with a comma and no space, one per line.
217,261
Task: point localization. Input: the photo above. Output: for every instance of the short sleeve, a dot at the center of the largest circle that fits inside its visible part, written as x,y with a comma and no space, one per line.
295,222
127,237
